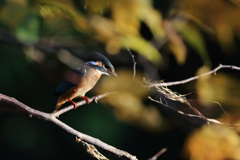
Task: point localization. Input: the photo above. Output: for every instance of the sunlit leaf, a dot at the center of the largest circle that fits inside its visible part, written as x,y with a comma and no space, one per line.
151,17
221,16
10,10
222,141
195,39
125,16
28,30
221,88
143,47
96,6
62,9
176,43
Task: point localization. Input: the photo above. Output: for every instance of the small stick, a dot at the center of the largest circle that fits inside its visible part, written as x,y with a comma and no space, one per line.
134,63
158,154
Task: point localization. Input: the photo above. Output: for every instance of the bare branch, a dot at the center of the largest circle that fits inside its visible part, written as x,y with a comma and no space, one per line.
134,63
186,114
174,96
80,103
80,136
155,157
163,90
193,78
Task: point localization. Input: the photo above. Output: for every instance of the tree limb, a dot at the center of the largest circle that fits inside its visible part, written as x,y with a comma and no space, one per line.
80,136
163,90
193,78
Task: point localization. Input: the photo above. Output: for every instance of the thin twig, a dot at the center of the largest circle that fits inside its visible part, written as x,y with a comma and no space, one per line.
155,157
187,114
134,63
193,78
80,136
174,96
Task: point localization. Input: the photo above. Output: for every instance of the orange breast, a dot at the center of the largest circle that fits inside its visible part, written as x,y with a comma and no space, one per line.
88,81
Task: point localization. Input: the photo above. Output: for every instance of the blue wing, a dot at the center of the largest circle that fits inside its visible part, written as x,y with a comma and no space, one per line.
63,87
71,79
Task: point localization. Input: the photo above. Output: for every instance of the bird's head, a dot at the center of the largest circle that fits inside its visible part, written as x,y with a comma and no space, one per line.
101,63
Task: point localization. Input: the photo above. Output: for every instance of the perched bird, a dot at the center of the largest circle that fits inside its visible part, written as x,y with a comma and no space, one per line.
79,81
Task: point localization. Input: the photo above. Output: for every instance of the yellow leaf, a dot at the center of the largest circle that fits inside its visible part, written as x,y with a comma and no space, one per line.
222,142
176,43
195,40
143,47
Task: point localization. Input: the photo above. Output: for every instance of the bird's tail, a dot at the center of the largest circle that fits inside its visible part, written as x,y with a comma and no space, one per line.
56,105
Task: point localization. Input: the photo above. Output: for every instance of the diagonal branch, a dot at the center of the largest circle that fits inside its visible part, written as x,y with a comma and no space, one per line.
80,136
193,78
155,157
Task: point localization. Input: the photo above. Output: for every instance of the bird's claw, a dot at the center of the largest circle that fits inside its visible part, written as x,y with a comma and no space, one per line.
86,99
96,99
73,103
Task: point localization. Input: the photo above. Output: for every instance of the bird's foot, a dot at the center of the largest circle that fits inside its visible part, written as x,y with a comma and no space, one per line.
73,103
86,99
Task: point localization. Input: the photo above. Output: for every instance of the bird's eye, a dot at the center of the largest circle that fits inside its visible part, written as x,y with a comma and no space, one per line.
107,67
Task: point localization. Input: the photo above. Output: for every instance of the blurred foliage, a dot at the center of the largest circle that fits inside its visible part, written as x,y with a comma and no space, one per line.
128,102
119,31
213,142
221,16
171,40
228,94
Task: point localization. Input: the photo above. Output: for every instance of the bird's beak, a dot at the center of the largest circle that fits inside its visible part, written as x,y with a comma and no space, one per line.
106,73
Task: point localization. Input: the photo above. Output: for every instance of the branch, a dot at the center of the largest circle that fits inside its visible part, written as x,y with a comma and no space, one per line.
163,90
155,157
193,78
80,103
79,136
134,63
209,120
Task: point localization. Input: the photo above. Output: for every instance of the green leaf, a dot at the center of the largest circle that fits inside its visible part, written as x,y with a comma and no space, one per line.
194,38
143,47
28,30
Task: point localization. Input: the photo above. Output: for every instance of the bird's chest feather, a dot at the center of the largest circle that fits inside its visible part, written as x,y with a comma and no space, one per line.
88,81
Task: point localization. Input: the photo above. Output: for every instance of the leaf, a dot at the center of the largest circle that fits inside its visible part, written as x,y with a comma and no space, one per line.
176,43
10,10
28,30
151,17
143,47
222,141
195,40
61,9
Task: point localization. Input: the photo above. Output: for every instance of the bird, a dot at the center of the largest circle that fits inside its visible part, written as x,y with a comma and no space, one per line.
82,79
